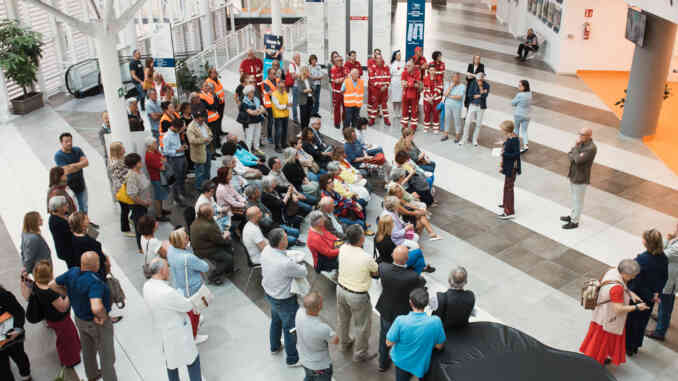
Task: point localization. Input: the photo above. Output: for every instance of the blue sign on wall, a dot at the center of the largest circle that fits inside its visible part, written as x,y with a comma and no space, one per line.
414,36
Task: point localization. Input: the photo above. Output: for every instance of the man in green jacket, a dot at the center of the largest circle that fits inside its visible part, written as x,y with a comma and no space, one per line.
581,160
211,244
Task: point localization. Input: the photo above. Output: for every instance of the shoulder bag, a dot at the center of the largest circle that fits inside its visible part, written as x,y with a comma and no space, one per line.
117,294
122,195
200,299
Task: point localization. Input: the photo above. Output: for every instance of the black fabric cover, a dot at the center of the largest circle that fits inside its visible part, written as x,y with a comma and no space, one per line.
495,352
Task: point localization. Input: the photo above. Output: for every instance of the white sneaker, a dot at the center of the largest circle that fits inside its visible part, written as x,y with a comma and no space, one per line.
199,339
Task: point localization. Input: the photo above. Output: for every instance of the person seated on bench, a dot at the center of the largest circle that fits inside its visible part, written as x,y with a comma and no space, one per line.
322,243
531,44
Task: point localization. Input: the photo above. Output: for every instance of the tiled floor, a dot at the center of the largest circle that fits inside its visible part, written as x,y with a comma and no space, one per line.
526,273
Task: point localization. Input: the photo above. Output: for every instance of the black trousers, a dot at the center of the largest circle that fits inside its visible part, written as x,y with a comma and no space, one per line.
306,112
223,262
138,211
215,127
18,355
636,323
124,217
523,49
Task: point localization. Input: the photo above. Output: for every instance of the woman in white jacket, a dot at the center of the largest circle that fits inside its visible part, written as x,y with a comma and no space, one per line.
168,311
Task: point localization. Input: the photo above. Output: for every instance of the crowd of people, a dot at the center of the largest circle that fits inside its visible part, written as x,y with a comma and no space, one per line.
263,202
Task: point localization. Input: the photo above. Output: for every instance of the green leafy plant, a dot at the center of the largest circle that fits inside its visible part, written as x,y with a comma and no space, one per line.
20,54
667,94
189,81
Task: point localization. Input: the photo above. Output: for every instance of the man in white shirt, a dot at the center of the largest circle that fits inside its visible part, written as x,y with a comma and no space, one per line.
277,274
313,337
252,237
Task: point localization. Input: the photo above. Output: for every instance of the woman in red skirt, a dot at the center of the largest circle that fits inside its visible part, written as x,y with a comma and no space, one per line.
606,338
56,311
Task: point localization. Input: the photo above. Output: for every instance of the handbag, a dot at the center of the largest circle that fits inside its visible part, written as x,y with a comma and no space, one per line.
122,195
117,294
200,299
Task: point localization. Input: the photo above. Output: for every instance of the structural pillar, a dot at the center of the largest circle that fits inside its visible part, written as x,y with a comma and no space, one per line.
129,32
206,24
649,71
276,19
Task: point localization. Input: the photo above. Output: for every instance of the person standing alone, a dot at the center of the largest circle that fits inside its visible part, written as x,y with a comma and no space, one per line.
510,167
581,160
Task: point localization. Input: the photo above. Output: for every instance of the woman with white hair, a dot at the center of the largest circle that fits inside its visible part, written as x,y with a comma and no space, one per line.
251,115
605,341
345,176
402,234
155,163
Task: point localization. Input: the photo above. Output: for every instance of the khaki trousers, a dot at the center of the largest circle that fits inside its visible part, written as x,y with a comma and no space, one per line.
356,307
97,339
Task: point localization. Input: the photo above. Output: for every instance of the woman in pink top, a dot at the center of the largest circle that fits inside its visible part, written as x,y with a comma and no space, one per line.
228,198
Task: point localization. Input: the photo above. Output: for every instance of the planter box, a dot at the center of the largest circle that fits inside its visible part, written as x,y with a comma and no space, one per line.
27,103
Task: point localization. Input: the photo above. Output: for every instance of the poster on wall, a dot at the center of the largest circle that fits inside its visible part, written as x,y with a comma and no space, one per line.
415,26
162,51
272,45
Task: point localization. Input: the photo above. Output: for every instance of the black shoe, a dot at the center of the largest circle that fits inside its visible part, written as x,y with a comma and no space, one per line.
429,269
630,352
565,218
444,138
570,225
216,154
92,224
162,218
337,127
278,150
501,206
166,212
300,243
653,335
607,361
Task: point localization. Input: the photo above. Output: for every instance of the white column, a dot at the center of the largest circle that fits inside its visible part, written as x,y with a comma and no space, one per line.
206,27
276,18
111,80
232,14
130,31
4,99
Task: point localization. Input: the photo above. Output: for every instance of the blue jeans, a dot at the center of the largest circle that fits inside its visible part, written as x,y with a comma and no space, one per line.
82,200
430,167
316,99
202,173
384,359
416,261
664,313
269,125
283,313
375,151
281,132
292,234
520,129
347,221
318,375
310,199
429,180
141,94
193,371
178,166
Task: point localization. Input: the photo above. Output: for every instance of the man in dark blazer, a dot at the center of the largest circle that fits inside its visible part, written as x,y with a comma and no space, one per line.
454,306
210,243
397,282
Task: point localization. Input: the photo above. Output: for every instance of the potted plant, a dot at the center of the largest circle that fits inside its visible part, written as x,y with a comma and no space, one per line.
20,54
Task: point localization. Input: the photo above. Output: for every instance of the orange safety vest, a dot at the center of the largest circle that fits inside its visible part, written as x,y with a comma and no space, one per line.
353,95
218,88
212,116
267,97
164,118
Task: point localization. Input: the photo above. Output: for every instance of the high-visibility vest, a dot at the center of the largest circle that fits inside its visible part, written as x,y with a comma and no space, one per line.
212,115
218,88
282,99
353,95
267,97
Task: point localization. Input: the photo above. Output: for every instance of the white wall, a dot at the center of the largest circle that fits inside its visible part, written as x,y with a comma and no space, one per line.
661,8
607,48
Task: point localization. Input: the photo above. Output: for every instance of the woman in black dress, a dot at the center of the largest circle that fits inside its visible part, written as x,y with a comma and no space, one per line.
648,284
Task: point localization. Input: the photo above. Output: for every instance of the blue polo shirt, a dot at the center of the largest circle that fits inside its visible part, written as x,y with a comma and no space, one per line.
82,286
415,335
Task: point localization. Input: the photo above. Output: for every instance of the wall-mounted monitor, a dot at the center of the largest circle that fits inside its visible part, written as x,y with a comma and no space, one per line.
635,26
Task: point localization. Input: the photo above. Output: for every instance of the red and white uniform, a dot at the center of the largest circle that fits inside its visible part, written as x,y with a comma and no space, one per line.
350,65
420,64
337,77
379,81
253,66
440,72
432,96
411,83
371,62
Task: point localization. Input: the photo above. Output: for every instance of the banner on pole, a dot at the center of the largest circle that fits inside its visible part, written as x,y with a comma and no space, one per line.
414,36
162,51
272,46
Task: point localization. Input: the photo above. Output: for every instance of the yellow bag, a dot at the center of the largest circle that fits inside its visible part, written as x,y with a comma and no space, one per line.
122,195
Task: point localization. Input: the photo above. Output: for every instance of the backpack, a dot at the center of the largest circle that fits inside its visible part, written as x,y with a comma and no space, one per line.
589,293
